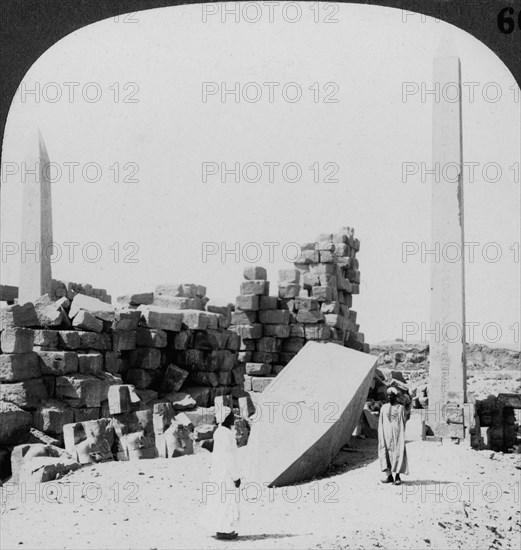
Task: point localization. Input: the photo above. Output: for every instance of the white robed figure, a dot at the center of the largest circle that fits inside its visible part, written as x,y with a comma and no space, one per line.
223,506
391,439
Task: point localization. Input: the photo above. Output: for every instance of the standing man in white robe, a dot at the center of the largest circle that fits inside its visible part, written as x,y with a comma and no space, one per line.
391,439
224,506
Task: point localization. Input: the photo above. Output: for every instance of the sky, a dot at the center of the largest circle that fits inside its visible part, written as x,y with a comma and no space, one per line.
140,134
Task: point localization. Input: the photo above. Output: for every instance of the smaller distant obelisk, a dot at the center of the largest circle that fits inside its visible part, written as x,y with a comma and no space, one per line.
447,369
36,245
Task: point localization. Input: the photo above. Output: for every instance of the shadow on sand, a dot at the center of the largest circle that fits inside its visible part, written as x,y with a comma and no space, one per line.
267,536
426,482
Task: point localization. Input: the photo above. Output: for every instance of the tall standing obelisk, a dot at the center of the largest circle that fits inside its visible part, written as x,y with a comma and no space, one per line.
447,370
36,245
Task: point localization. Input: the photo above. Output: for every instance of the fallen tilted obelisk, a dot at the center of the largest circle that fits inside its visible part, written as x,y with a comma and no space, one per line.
308,413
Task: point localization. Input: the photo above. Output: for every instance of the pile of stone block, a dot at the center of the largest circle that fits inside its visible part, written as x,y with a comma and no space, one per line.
67,289
329,274
313,303
497,414
262,326
60,358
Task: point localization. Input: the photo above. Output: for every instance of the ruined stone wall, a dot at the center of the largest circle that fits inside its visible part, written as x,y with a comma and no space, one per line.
313,301
61,356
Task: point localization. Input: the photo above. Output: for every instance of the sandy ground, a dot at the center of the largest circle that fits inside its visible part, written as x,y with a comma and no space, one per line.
454,497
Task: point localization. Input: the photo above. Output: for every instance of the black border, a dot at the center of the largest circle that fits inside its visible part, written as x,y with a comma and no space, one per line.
30,27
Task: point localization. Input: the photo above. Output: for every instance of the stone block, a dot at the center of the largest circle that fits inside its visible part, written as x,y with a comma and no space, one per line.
233,341
244,356
222,360
244,317
148,398
307,257
258,369
83,320
309,317
16,340
204,431
255,286
336,321
85,414
209,339
157,317
122,398
39,463
186,290
238,376
293,344
259,384
274,316
289,276
327,257
214,321
97,308
163,415
178,302
322,293
201,396
173,379
268,302
151,338
80,390
289,290
255,272
307,446
69,339
264,357
225,378
247,382
331,307
90,363
57,363
205,378
113,362
309,280
51,415
285,357
26,394
141,378
247,302
297,330
318,332
126,319
181,401
248,345
278,331
309,304
19,366
18,315
322,269
182,340
269,344
277,369
124,340
138,299
89,441
249,332
45,338
49,313
197,320
15,424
